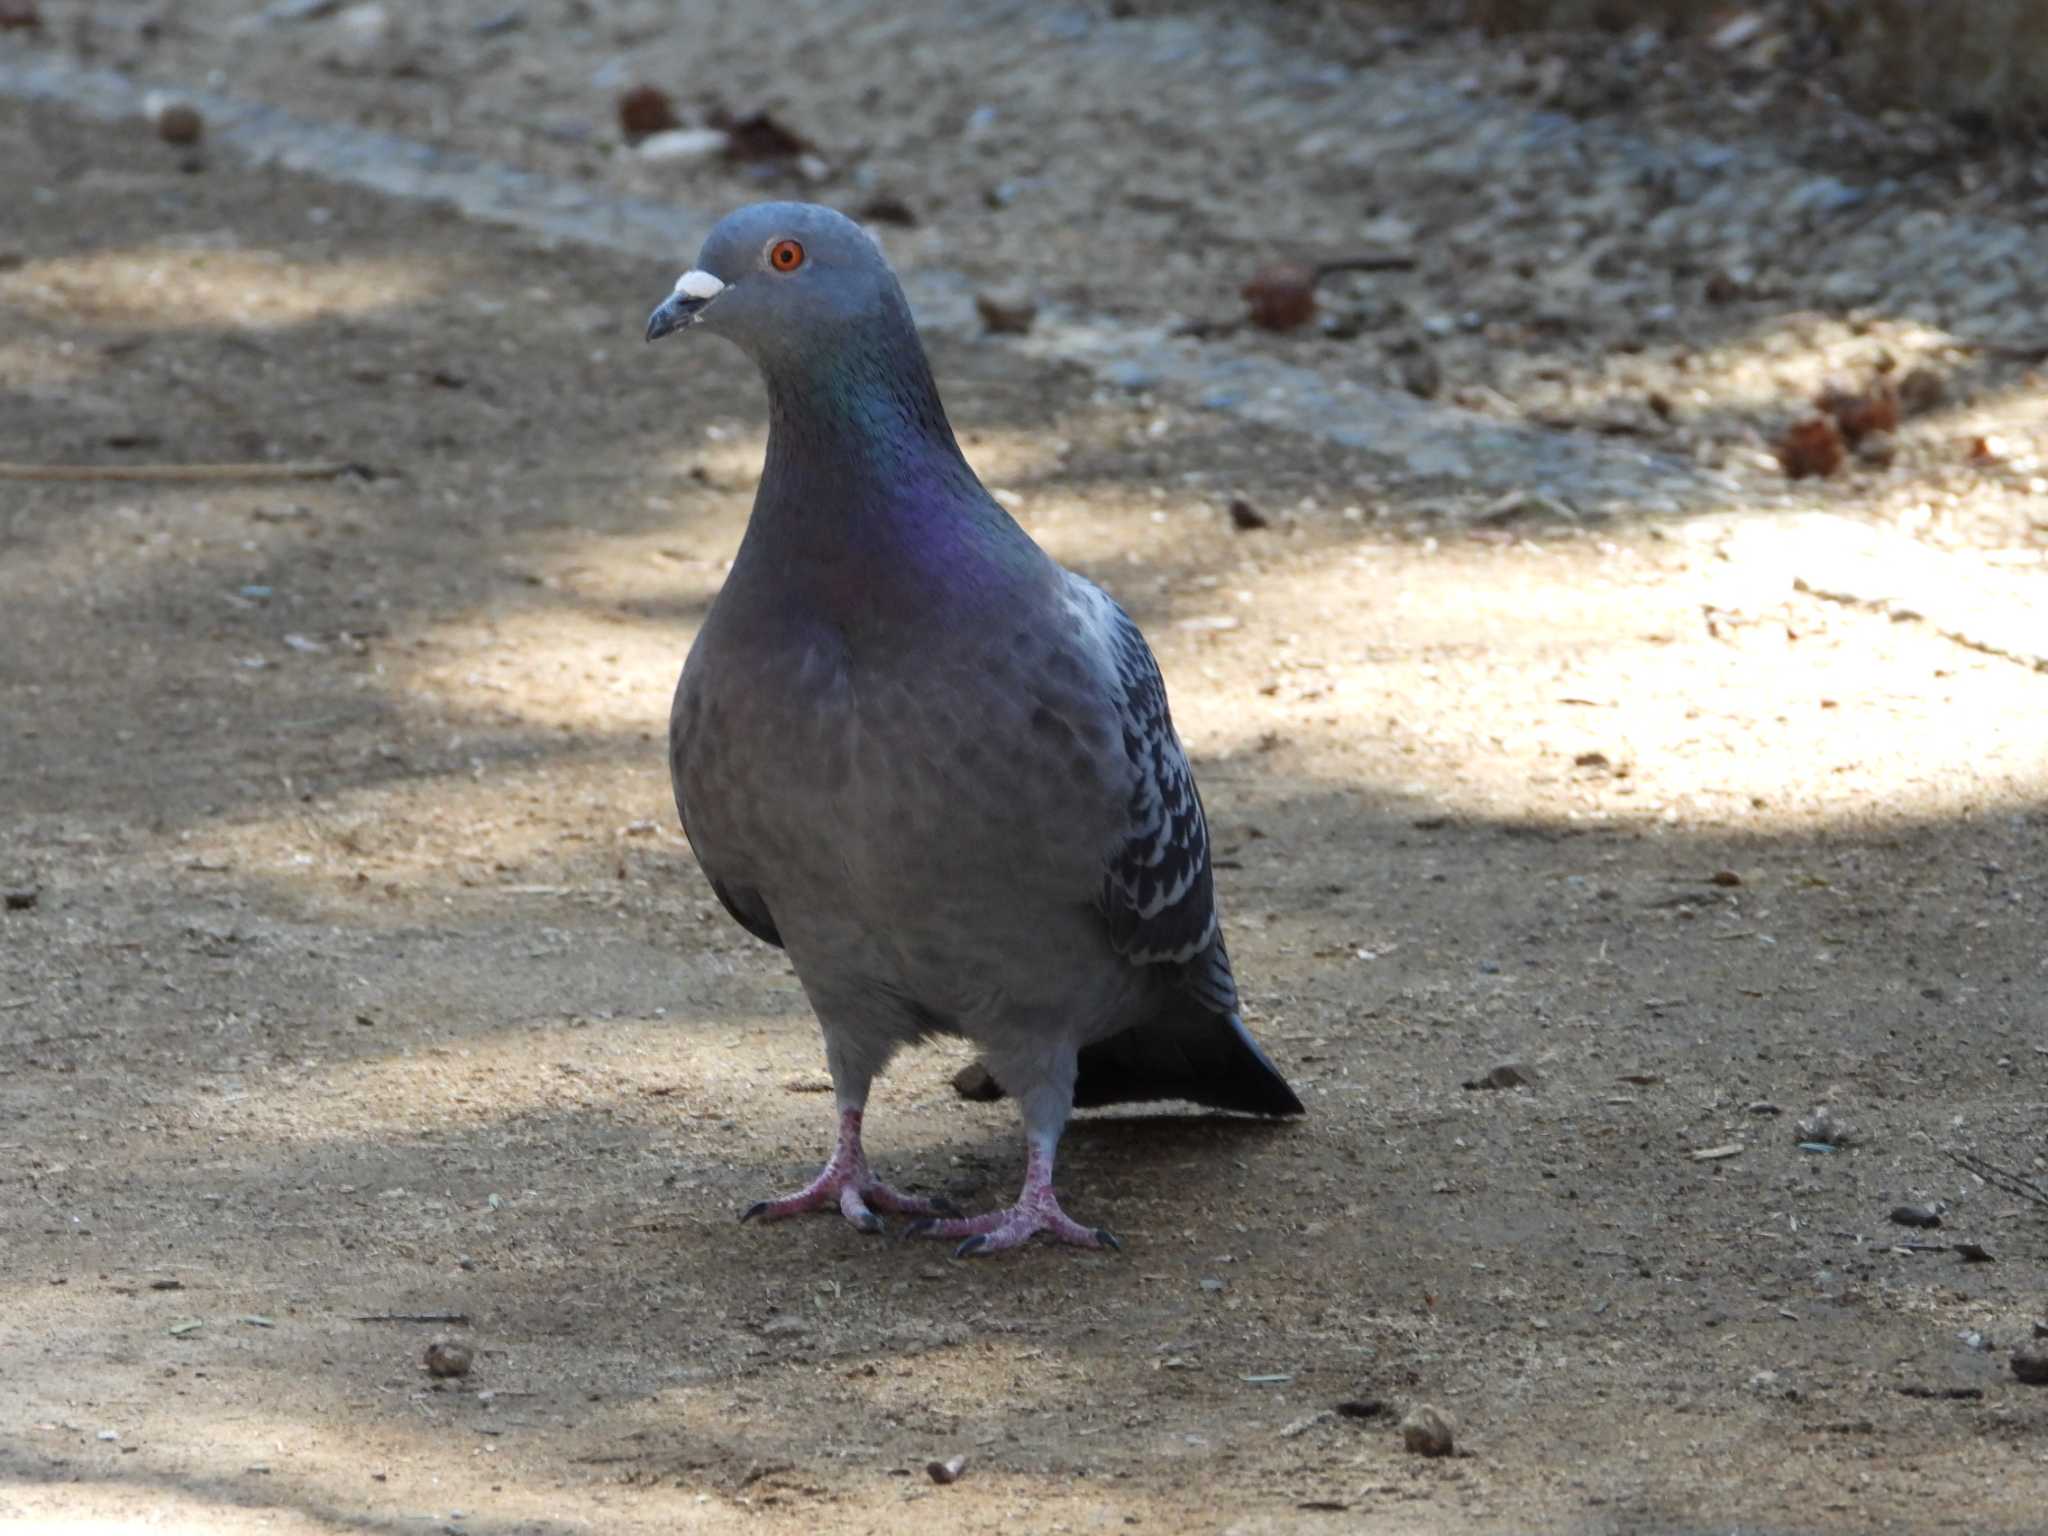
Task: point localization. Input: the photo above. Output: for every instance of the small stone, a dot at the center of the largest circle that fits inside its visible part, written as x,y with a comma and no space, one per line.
364,37
947,1471
1006,312
888,208
1820,1129
1726,877
646,110
2031,1367
1975,1253
448,1357
1922,390
1877,449
1245,517
19,14
1422,375
1361,1408
684,146
1429,1431
1916,1216
22,899
1508,1074
179,122
975,1083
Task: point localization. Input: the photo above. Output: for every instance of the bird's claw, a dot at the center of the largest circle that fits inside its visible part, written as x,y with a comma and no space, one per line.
994,1231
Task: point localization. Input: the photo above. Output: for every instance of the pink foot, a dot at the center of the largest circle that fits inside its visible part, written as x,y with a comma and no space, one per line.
846,1183
1037,1210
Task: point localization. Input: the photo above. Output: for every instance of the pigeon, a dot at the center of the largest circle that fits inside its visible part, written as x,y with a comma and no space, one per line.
931,764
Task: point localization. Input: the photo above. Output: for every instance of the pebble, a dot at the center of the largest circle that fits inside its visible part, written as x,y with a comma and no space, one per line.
684,146
975,1083
362,37
448,1357
1429,1431
1006,312
22,898
1508,1074
947,1471
177,122
19,13
1820,1128
1245,517
1916,1216
1422,375
1922,390
2031,1367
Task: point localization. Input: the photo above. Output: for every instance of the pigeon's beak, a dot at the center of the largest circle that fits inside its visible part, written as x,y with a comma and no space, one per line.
694,290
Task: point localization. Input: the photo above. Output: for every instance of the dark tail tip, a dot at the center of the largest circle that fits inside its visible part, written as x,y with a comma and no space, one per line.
1209,1059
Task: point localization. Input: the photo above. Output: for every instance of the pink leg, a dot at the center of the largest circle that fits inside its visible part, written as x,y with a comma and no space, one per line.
1037,1210
846,1183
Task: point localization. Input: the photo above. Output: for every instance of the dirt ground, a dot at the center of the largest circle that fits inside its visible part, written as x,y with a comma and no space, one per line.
353,964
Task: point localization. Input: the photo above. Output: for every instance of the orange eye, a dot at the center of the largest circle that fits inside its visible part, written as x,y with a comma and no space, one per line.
785,255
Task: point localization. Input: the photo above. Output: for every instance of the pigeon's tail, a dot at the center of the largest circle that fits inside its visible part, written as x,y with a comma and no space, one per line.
1209,1059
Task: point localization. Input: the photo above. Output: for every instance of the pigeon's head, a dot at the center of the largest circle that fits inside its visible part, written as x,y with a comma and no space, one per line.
783,280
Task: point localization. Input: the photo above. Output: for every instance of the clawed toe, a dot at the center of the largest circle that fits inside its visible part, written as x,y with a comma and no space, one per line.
994,1231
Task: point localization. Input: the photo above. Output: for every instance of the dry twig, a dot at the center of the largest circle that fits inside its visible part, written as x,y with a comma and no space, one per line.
2001,1178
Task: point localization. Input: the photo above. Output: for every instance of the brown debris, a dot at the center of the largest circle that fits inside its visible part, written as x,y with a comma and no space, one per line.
758,136
646,110
16,14
1282,297
1861,412
1811,447
887,208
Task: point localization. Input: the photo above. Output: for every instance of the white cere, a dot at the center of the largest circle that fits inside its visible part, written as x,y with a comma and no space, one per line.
699,284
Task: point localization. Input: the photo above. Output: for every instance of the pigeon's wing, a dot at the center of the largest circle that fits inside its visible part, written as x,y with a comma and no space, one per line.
743,902
1158,894
748,910
1157,890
